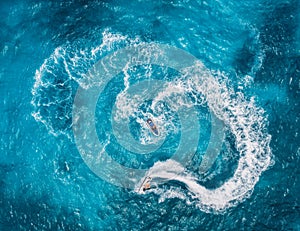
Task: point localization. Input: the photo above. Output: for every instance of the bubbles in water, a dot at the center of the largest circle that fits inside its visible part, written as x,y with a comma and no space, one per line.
171,102
59,76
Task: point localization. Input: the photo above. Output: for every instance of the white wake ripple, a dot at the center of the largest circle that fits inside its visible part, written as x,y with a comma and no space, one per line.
242,116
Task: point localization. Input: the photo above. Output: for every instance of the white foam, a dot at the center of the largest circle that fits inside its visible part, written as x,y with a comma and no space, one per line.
109,40
242,116
174,94
126,106
75,62
247,123
245,120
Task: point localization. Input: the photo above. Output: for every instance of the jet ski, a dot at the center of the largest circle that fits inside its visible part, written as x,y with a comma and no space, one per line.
145,185
152,127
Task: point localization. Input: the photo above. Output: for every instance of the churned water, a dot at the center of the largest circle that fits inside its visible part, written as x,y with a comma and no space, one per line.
220,80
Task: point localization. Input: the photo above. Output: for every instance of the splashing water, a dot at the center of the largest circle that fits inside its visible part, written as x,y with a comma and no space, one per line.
173,101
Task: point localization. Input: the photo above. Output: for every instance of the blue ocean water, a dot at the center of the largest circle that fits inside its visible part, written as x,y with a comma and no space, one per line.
243,92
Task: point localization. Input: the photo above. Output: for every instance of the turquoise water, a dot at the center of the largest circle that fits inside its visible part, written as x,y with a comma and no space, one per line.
220,79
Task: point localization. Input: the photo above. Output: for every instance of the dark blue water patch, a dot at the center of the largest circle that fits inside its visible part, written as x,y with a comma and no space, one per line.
36,213
293,74
278,36
281,184
71,20
280,27
284,128
247,55
275,202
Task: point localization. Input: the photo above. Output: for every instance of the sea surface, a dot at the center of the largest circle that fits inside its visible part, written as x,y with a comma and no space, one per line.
220,80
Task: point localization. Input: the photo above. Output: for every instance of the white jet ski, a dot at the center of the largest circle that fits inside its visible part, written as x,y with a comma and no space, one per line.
152,127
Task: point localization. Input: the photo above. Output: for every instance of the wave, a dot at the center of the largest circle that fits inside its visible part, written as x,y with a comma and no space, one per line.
246,122
59,76
194,85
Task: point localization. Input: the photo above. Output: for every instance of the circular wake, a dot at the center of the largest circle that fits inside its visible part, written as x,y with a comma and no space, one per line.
191,108
244,119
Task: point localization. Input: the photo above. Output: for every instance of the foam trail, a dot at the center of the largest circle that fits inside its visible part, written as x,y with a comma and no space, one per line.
52,92
67,67
247,124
